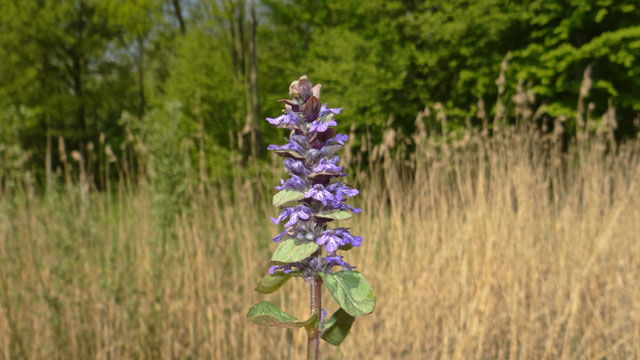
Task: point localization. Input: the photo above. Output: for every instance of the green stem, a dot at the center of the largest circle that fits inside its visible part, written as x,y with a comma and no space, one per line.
313,344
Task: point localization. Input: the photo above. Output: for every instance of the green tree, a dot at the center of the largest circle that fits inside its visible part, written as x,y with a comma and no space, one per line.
355,48
569,36
64,70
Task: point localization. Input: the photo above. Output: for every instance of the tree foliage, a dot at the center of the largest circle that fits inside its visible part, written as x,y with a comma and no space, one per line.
72,68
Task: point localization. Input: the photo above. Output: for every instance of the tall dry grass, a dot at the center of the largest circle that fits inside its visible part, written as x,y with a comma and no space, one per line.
515,245
483,247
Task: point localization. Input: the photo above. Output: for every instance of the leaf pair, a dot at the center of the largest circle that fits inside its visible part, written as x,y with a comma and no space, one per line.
348,288
335,330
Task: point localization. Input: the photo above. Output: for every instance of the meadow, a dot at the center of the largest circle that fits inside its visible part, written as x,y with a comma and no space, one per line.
518,245
136,186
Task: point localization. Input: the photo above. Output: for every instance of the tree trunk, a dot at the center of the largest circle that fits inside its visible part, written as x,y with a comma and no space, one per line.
140,70
47,128
244,139
77,91
178,9
202,171
76,75
47,156
238,71
234,41
241,41
256,141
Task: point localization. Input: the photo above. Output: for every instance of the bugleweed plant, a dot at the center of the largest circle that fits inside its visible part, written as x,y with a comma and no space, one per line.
310,199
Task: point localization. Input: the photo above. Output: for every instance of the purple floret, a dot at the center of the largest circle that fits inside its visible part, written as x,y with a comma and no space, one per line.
287,120
334,238
291,145
328,165
325,110
320,126
294,183
285,268
319,193
341,190
283,215
336,260
279,237
330,240
348,237
296,167
301,212
293,213
339,138
342,206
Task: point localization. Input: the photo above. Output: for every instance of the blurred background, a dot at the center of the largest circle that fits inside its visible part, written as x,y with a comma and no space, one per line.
494,143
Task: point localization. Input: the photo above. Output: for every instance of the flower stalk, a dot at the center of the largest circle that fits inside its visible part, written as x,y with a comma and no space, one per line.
311,199
315,301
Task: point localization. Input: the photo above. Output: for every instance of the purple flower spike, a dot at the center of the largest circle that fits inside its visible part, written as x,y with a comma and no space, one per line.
311,198
313,166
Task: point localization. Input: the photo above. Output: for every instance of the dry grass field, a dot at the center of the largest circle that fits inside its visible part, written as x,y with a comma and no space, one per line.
502,247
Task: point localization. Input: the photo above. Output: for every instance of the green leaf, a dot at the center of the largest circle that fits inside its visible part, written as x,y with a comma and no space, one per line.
335,215
266,314
286,196
270,283
351,291
337,328
290,251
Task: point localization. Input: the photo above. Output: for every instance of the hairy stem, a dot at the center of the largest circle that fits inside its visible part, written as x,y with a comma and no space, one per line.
315,303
